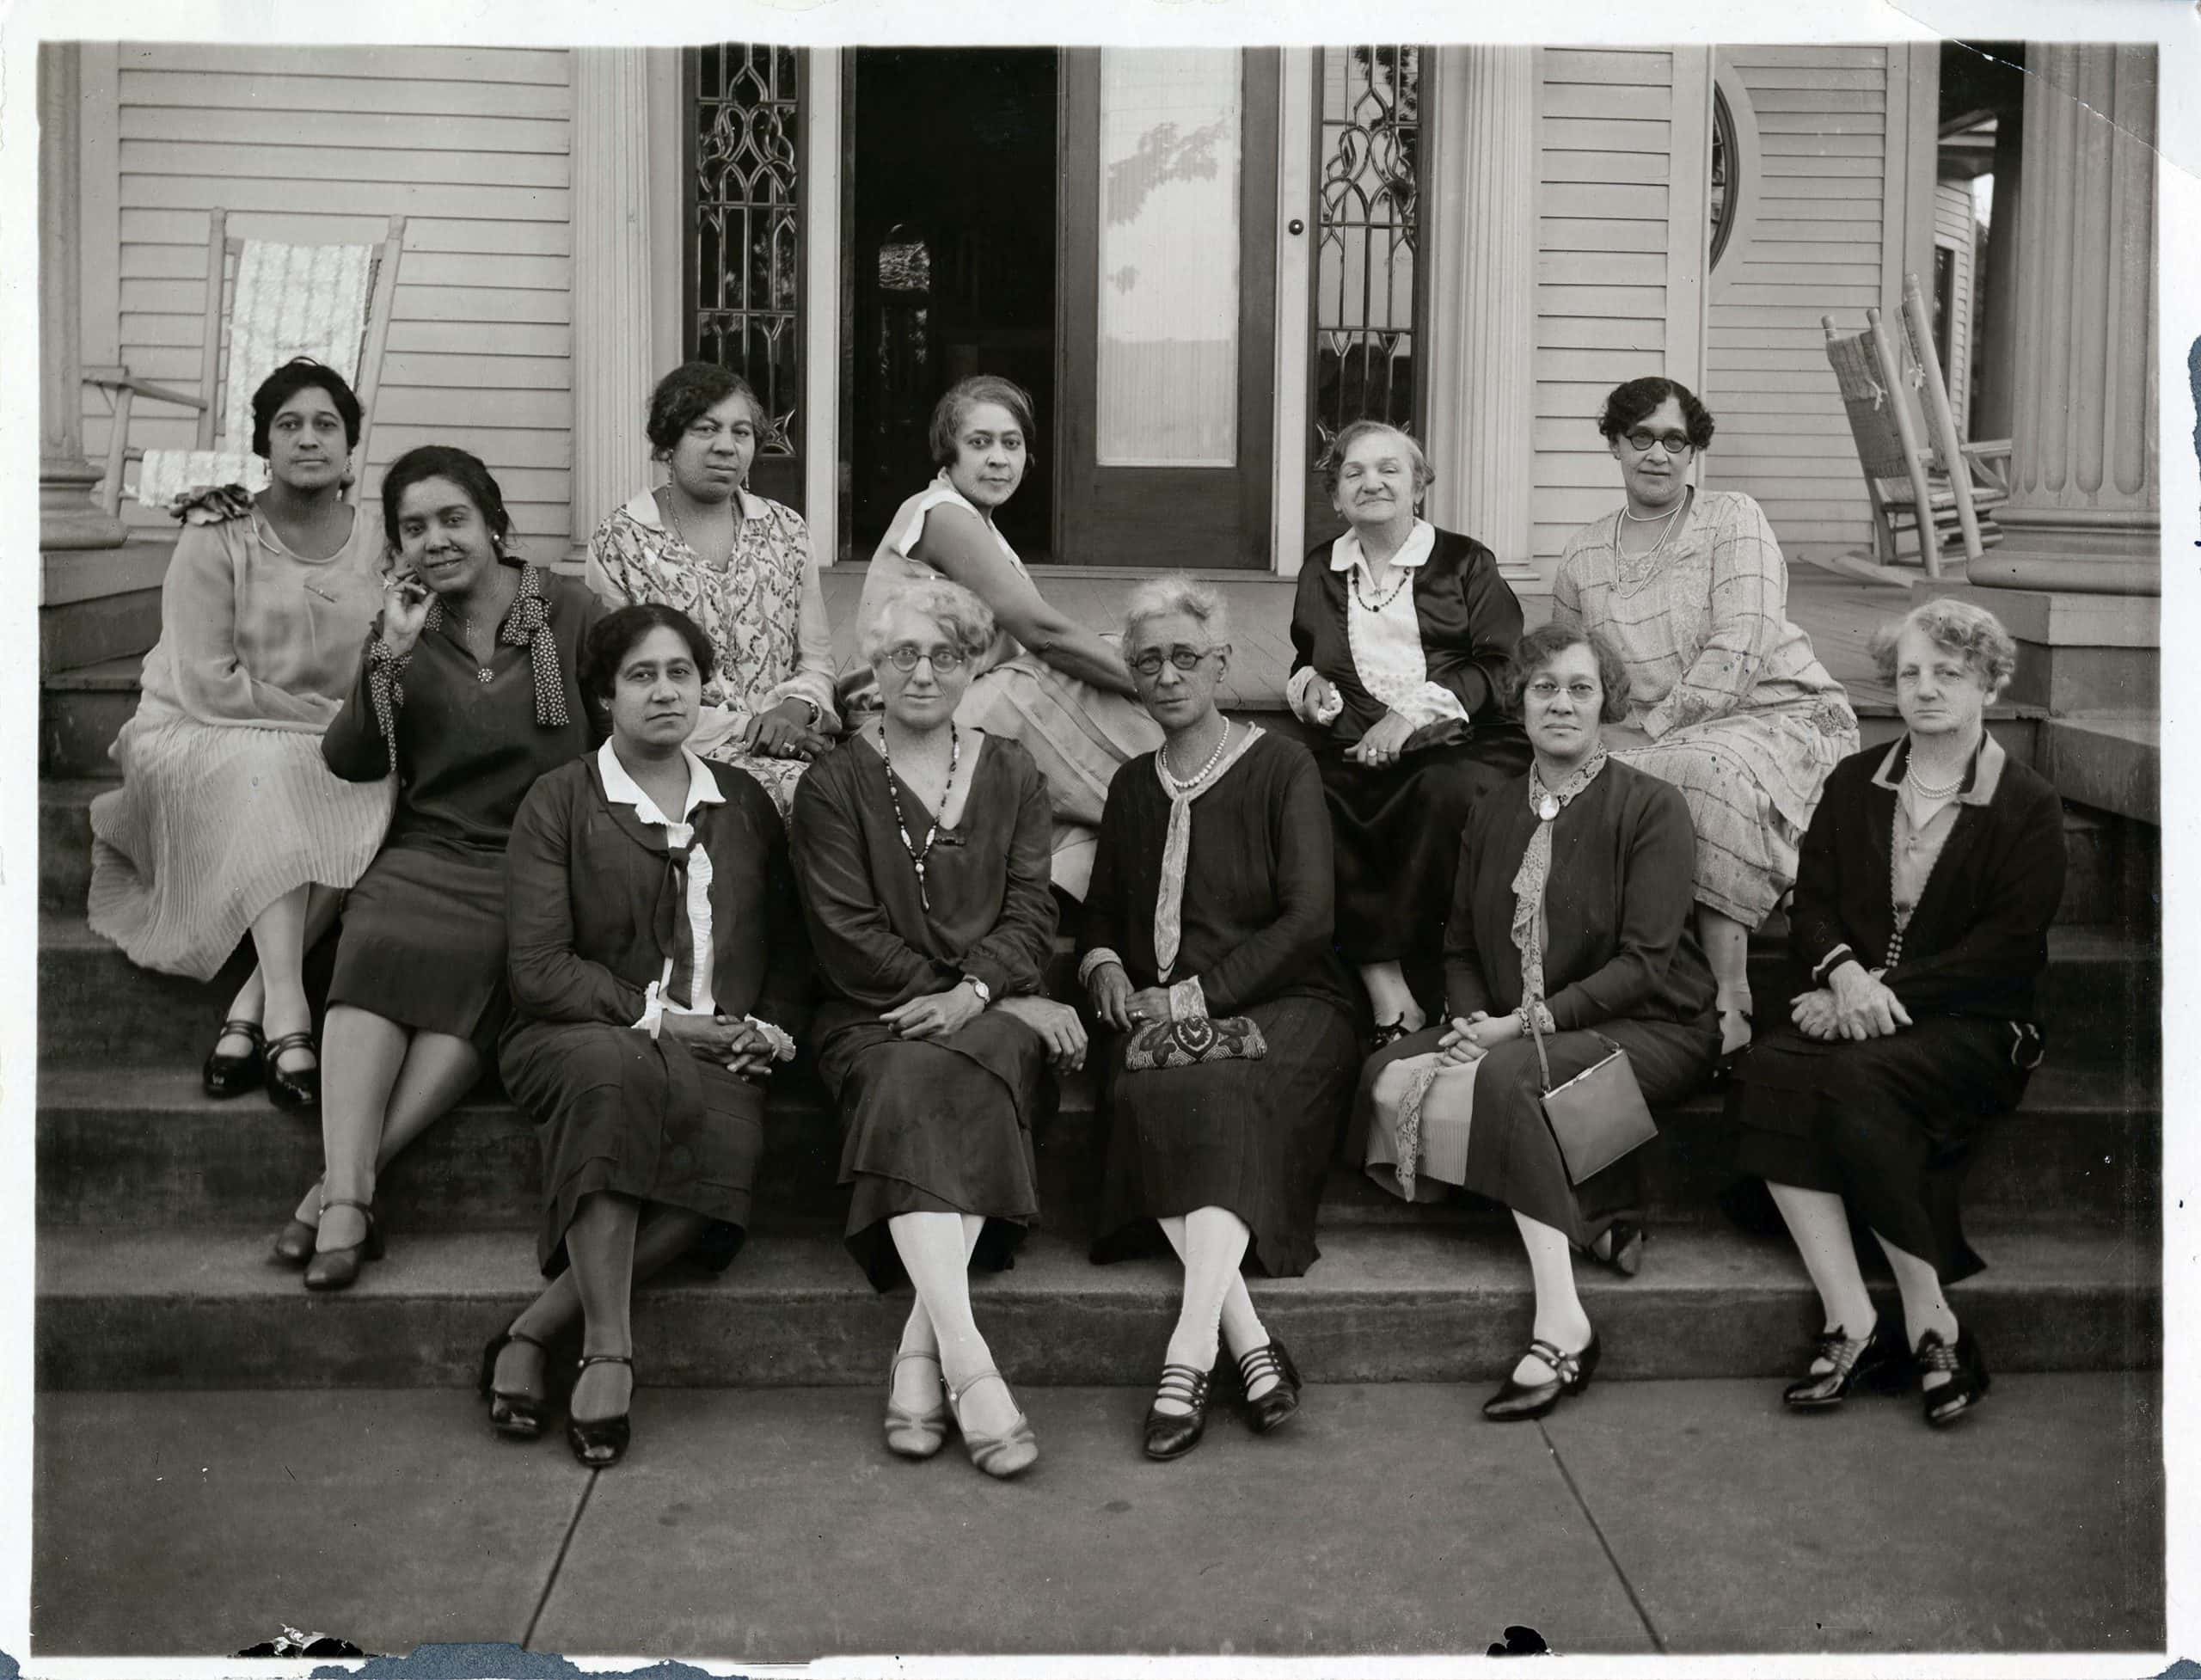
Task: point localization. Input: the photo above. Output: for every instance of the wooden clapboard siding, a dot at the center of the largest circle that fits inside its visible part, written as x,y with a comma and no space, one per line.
1606,128
1813,128
472,145
1953,227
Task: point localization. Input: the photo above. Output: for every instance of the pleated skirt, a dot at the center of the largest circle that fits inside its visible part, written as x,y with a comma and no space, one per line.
211,827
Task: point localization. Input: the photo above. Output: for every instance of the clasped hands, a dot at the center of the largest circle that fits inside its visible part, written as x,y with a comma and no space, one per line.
734,1044
1118,1004
1470,1037
941,1014
784,731
1854,1004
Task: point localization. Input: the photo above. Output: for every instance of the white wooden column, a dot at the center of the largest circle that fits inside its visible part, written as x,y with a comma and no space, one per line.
2085,507
614,359
67,516
1478,264
820,190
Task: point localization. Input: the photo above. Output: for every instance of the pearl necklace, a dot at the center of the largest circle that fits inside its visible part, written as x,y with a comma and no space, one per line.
1184,784
919,853
1920,787
1669,516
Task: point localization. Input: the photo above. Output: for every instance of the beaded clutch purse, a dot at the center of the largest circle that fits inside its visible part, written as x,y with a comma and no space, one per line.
1184,1044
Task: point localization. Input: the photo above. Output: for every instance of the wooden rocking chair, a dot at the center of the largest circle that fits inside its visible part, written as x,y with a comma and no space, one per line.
220,380
1958,484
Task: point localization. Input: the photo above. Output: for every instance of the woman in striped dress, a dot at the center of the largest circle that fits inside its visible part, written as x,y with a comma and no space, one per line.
228,820
1727,700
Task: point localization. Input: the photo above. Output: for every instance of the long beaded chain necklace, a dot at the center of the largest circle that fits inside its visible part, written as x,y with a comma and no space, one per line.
919,853
1405,578
1184,784
1900,914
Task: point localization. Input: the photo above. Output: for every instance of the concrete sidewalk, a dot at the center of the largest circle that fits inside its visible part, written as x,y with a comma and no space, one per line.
770,1525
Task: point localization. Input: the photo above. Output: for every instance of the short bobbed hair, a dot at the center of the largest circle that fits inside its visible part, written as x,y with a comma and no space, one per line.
1971,632
286,381
1546,643
616,635
966,394
1177,592
1332,461
417,466
967,622
687,393
1628,405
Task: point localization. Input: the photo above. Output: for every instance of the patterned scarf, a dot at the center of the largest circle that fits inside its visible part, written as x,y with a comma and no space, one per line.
1177,849
1535,873
1528,884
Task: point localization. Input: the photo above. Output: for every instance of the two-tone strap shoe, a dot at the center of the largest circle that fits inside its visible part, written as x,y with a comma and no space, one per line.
913,1434
517,1417
233,1076
1877,1358
1174,1434
1275,1407
293,1088
1967,1385
1010,1453
1517,1402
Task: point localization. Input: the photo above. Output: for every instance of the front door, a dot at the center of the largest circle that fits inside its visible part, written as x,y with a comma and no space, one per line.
1167,283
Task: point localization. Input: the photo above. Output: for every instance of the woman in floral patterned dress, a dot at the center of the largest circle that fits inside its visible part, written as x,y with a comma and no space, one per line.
740,566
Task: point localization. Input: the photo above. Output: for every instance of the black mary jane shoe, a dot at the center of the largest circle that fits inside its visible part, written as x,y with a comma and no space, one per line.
1876,1359
1621,1247
233,1076
339,1268
291,1089
515,1416
1275,1407
1174,1434
293,1244
600,1442
1517,1402
1967,1383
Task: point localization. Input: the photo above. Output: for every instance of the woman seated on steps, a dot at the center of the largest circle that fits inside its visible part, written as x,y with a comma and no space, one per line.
1925,889
1211,899
922,849
657,969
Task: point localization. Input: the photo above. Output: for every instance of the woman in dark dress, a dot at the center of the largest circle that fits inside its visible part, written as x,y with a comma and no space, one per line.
1402,634
466,692
922,849
1211,897
1940,861
657,969
1573,901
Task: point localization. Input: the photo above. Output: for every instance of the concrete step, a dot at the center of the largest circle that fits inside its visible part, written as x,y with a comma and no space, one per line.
2101,999
123,1149
81,711
206,1309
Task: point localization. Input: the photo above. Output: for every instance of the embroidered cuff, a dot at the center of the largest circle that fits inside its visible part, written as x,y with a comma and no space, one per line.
1832,961
783,1045
653,1011
1099,957
1187,1001
1432,702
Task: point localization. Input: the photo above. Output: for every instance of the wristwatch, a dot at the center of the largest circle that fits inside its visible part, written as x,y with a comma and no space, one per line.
986,992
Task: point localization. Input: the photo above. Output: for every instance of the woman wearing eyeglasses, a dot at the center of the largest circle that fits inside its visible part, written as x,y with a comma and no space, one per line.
1727,700
1401,635
1212,897
1569,919
920,847
1043,680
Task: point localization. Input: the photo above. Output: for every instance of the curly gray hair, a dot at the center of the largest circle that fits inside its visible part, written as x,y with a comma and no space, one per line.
966,621
1332,461
1175,592
1971,632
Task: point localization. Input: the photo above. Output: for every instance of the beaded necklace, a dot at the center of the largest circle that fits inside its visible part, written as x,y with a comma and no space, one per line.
1405,578
918,854
1184,784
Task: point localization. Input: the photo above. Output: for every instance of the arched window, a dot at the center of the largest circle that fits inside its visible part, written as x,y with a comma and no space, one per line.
1726,187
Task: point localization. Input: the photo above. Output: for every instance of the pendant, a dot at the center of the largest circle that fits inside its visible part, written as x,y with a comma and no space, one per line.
1549,809
483,675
